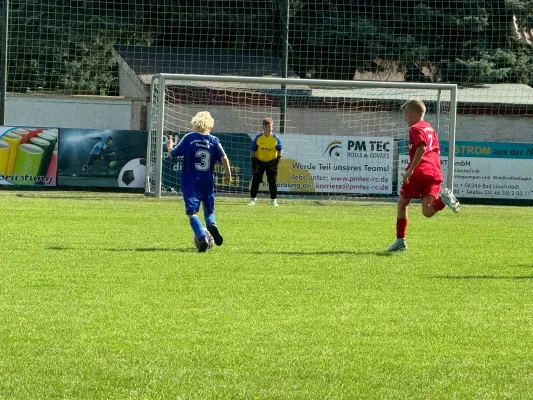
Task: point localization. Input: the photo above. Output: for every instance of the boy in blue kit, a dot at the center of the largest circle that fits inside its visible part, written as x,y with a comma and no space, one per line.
201,151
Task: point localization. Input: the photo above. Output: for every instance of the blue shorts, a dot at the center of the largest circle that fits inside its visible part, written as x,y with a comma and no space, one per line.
192,203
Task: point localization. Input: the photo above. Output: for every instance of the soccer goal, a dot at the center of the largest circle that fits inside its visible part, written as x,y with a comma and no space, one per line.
341,139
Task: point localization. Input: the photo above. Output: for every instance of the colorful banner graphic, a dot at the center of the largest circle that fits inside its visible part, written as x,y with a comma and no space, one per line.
29,159
51,172
101,158
24,160
4,156
486,170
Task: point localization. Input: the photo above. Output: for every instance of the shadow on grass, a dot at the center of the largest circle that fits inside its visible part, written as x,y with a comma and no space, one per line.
481,277
136,249
97,196
152,249
324,253
193,250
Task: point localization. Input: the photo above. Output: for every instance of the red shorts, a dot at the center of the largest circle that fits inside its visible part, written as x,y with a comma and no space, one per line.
420,185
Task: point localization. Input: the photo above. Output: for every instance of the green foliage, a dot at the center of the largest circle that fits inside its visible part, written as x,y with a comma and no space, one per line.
66,45
462,42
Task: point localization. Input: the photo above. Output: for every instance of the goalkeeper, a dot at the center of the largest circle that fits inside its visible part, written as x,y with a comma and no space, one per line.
266,153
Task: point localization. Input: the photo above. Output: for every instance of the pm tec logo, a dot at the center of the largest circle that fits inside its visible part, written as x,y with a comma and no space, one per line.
368,145
333,148
354,147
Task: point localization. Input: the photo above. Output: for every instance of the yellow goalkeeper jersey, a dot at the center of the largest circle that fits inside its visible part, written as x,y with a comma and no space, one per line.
266,147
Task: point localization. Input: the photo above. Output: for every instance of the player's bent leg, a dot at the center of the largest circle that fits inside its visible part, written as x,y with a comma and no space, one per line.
448,198
215,232
92,160
431,204
209,216
428,206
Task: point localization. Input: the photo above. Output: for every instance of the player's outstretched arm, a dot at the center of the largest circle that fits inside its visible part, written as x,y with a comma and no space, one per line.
172,149
227,169
170,145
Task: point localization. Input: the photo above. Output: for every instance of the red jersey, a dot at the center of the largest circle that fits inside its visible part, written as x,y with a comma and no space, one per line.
422,134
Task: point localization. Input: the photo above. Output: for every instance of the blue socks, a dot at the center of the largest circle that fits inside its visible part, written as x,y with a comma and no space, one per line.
209,219
197,227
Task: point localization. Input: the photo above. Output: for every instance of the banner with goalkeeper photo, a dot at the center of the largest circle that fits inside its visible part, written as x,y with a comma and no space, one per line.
28,156
335,164
102,158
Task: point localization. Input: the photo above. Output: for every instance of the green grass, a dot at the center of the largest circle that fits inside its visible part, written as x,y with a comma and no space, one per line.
102,296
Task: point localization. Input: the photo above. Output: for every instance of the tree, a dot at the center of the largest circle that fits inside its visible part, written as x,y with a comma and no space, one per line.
66,46
466,41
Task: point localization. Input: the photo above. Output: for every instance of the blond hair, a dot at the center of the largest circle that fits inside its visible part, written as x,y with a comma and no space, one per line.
202,122
417,106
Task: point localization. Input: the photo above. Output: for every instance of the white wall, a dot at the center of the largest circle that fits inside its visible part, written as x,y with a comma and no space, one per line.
119,113
95,112
495,128
131,86
489,128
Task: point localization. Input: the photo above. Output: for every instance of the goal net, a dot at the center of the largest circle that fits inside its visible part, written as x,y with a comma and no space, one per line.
341,139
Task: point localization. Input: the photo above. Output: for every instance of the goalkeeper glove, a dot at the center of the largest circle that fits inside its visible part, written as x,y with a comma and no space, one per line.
275,164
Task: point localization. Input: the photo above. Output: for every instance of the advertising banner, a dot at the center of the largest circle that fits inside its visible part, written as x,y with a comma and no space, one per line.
310,164
28,156
102,158
336,164
486,169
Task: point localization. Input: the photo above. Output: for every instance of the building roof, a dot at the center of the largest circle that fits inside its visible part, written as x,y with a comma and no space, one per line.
144,62
491,94
147,61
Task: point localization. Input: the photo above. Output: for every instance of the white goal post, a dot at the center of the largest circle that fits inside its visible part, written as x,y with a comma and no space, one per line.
341,139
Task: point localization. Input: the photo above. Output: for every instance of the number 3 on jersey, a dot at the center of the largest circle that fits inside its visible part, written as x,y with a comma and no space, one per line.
205,160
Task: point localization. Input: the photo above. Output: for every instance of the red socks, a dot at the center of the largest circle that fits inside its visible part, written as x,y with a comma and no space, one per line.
438,204
401,223
401,228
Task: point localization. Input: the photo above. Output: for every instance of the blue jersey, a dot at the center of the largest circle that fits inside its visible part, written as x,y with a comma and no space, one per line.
98,148
200,154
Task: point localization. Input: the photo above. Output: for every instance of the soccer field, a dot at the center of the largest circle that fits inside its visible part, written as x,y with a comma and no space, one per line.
103,296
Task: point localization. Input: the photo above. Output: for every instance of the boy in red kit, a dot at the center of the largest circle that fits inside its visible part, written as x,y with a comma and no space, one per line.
423,176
